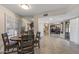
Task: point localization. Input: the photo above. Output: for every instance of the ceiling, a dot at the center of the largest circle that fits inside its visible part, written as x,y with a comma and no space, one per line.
38,9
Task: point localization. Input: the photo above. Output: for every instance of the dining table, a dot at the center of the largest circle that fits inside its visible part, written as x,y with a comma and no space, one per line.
17,38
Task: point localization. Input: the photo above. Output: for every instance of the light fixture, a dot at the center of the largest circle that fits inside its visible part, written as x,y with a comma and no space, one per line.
25,6
45,15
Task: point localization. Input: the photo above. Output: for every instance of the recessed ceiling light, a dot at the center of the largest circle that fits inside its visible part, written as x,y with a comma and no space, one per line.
25,6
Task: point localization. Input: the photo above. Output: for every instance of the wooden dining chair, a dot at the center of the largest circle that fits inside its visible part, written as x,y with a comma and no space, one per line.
37,39
27,44
38,35
8,44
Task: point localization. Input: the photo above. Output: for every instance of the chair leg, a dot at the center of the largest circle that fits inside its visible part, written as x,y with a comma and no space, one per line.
13,49
39,44
18,48
5,53
4,50
33,52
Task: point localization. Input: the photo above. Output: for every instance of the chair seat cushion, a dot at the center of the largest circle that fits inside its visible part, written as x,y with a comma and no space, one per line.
12,42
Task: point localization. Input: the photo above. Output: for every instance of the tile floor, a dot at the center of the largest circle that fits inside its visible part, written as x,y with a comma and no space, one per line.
54,45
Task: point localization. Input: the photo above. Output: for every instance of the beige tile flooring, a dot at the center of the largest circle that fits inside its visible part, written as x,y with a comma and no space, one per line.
56,45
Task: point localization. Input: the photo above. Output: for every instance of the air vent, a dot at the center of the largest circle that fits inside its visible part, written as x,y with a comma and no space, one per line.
45,15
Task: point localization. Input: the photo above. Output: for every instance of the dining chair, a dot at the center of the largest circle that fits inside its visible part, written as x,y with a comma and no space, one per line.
8,44
38,35
37,39
27,44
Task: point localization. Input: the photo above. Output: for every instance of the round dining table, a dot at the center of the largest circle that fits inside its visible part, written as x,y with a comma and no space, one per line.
15,38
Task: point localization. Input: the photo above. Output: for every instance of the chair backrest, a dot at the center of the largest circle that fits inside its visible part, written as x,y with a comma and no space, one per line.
30,32
38,35
24,37
27,45
31,37
28,37
5,39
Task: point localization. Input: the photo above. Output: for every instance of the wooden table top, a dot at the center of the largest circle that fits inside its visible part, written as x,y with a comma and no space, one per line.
15,38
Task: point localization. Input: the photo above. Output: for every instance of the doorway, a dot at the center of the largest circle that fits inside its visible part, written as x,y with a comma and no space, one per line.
46,29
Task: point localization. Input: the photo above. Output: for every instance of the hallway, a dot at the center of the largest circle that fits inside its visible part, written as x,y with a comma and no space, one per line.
56,45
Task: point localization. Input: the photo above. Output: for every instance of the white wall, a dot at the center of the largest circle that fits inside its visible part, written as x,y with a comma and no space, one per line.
41,23
74,30
4,11
73,12
41,28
